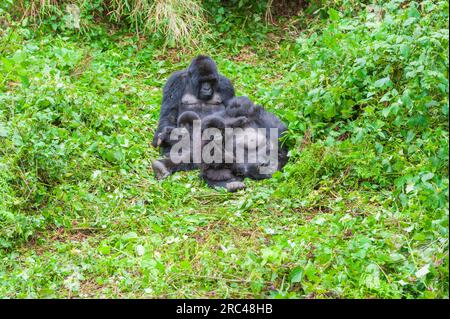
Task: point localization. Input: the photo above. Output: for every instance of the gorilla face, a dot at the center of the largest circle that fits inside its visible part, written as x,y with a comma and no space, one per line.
204,77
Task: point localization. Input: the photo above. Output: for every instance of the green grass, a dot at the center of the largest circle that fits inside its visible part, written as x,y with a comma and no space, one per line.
360,211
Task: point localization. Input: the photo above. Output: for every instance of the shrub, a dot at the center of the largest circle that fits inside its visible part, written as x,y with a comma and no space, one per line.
171,20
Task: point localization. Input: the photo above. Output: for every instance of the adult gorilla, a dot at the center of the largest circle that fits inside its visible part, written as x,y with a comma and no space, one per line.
200,89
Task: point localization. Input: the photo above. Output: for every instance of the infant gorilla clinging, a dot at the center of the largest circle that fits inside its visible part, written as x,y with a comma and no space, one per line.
240,141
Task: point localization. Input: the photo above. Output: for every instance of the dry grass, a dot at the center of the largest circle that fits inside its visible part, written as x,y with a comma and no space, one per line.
177,21
36,10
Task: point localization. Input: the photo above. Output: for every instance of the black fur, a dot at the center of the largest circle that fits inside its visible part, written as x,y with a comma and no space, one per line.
200,92
219,174
185,81
241,112
202,80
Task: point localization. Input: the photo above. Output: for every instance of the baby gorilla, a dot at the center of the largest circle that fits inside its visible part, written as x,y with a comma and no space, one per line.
234,144
166,166
215,174
217,165
254,150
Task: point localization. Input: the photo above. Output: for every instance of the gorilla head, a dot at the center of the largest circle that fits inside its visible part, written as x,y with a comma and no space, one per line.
242,106
204,77
187,119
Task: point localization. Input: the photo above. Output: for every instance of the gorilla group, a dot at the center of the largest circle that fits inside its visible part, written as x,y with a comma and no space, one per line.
232,130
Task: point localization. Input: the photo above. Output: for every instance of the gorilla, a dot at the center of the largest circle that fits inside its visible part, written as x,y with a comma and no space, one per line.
215,174
165,166
199,89
219,171
257,118
254,123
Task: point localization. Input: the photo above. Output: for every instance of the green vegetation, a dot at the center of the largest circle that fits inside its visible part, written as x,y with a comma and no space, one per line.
360,211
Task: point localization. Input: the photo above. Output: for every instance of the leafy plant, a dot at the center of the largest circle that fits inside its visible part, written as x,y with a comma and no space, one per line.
360,211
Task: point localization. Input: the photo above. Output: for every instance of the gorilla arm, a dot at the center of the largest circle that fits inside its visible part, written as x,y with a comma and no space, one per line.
172,94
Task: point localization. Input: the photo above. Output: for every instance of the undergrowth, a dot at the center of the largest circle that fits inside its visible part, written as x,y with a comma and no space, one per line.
361,209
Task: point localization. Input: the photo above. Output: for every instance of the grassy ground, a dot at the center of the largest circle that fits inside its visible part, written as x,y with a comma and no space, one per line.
360,211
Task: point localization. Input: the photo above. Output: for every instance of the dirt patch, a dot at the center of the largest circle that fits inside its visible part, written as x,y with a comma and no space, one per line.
246,55
90,289
74,234
284,8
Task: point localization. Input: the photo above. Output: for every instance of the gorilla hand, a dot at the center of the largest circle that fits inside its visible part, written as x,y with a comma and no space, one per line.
164,135
160,169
